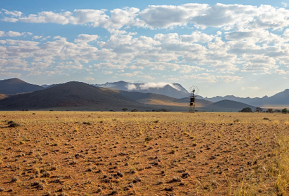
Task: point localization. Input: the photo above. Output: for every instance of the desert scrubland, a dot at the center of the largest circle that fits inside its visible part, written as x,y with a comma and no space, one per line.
138,153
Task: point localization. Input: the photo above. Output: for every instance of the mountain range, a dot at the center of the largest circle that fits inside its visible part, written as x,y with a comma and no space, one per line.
280,99
16,94
71,95
15,86
169,89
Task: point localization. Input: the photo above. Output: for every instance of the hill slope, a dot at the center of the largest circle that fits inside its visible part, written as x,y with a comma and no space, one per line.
156,99
227,105
279,99
71,95
15,85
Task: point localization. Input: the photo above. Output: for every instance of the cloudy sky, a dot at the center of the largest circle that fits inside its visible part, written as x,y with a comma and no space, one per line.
230,47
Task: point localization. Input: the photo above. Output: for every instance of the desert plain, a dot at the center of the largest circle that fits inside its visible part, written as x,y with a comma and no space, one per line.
143,153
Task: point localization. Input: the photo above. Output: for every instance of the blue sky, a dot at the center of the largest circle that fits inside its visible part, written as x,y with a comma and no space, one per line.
224,48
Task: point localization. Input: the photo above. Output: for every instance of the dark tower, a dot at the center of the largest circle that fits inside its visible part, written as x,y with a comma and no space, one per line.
193,92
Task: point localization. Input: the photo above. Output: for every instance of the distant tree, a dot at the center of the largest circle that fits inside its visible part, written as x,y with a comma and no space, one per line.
258,109
162,110
270,110
285,111
247,109
134,110
124,109
277,111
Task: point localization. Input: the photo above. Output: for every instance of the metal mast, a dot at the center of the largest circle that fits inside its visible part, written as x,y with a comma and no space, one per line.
194,90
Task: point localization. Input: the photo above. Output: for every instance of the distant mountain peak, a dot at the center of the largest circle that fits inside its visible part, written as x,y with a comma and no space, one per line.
13,81
15,85
169,89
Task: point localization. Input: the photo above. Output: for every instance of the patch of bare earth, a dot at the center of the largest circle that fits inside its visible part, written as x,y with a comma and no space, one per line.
110,153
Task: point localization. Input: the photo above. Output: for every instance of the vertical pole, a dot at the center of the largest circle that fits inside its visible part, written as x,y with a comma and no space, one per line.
192,103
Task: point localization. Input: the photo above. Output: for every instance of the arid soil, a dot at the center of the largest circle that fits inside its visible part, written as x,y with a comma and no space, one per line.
137,153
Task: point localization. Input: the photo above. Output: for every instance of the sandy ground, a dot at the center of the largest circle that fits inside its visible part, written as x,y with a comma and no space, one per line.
127,153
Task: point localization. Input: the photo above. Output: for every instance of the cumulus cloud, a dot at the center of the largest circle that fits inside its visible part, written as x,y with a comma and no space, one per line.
131,87
148,85
196,36
37,37
123,17
245,40
284,4
202,78
163,16
13,34
47,17
226,16
135,73
89,79
223,15
250,88
86,38
229,78
239,35
12,13
2,33
108,72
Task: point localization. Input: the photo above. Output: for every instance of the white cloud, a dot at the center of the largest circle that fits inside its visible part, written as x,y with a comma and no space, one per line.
37,37
70,65
13,34
284,4
155,85
239,35
48,17
259,63
148,77
86,38
108,72
10,74
135,73
164,16
226,16
89,79
202,78
7,19
196,36
230,78
245,40
12,13
89,16
2,33
123,17
131,87
254,88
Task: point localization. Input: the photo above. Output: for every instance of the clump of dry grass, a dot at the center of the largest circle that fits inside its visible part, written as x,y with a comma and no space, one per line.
282,166
180,154
13,124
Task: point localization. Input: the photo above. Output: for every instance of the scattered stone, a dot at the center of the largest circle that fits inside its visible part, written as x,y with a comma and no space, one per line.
14,179
185,175
169,188
137,179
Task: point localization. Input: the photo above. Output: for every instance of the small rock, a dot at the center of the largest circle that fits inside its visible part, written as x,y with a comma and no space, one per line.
169,188
137,179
